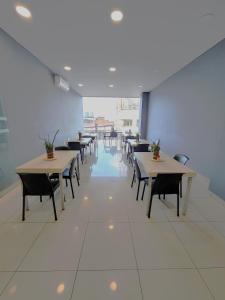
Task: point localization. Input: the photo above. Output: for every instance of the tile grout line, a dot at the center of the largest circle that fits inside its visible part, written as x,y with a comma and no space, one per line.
196,268
77,269
23,258
138,272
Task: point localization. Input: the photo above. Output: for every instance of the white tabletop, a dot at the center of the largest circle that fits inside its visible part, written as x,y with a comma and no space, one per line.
134,143
41,165
168,165
84,141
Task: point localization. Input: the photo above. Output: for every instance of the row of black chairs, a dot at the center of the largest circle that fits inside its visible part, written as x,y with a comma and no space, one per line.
163,184
46,185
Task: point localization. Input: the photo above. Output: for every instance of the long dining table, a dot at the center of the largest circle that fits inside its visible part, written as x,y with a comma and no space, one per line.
166,165
41,165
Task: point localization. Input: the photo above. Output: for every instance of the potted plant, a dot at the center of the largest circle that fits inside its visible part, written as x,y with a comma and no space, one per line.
49,145
155,149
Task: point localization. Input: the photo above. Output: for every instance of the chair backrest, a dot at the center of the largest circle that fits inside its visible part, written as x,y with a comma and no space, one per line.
61,148
166,184
182,158
141,148
36,184
157,142
71,170
113,134
137,169
130,137
74,145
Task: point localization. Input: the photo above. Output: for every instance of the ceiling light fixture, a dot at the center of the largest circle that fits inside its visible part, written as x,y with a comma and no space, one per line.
67,68
111,85
23,11
80,84
112,69
116,16
140,86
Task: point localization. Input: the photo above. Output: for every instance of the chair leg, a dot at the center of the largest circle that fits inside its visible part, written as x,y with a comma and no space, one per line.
40,198
66,183
150,206
164,196
143,191
181,194
23,208
138,190
178,205
71,185
77,178
53,202
132,183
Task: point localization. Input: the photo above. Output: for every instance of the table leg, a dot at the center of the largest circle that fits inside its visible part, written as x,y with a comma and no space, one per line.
61,190
187,195
27,204
149,192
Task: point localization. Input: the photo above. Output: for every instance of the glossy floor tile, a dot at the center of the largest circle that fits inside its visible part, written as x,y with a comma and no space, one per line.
58,247
157,246
16,240
214,279
204,244
98,285
174,284
107,246
103,246
40,285
4,279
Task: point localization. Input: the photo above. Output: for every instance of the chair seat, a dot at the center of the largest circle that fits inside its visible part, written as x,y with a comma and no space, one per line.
66,174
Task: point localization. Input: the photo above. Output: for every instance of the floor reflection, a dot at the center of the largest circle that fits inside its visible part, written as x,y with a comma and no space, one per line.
110,160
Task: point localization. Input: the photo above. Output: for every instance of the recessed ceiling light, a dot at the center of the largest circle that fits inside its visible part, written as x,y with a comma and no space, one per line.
112,69
23,11
116,16
80,84
67,68
140,86
111,85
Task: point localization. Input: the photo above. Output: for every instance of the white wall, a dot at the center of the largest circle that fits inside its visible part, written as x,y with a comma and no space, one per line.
187,112
33,106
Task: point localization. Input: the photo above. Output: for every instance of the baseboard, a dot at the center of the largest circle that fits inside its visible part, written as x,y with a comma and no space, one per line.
9,188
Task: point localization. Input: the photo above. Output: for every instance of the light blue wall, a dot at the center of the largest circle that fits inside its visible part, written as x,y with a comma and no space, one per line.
187,112
33,106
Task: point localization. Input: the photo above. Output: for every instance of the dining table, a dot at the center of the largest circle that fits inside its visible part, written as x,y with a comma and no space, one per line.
165,165
42,165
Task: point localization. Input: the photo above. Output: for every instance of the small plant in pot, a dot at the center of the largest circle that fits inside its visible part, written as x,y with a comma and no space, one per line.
155,149
49,145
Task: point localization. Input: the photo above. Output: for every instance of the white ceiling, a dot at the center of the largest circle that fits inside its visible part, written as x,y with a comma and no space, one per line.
155,39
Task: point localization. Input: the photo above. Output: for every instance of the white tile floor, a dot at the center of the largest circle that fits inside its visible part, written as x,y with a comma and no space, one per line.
103,245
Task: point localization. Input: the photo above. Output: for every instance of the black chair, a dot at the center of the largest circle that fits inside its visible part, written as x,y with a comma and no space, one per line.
138,148
141,148
141,176
166,184
76,171
38,185
67,175
78,147
183,159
